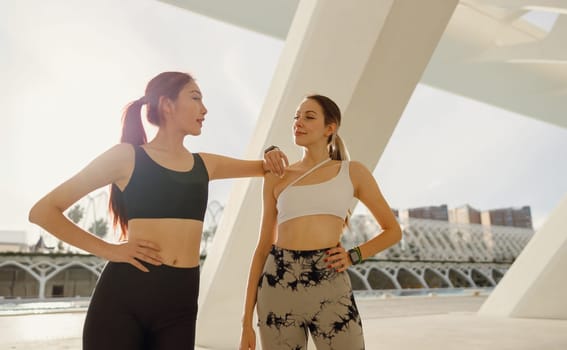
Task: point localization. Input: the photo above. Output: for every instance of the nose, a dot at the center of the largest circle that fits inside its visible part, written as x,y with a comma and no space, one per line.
204,109
298,122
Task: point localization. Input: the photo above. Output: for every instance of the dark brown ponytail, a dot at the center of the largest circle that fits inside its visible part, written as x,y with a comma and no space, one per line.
132,128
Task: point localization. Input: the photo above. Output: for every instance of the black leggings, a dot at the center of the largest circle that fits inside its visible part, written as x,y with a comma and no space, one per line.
134,310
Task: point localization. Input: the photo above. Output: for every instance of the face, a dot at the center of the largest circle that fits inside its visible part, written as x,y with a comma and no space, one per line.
188,111
309,126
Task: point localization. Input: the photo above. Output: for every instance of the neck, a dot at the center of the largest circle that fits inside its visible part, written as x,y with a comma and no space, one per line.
314,156
168,143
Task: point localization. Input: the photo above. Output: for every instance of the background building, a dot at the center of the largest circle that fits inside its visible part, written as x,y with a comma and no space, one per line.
521,217
465,215
431,213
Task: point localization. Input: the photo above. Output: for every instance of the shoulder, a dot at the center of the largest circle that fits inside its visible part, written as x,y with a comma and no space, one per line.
209,159
359,174
112,165
198,155
122,152
212,159
356,168
204,155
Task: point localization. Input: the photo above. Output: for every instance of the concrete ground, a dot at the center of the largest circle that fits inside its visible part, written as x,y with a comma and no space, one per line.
395,323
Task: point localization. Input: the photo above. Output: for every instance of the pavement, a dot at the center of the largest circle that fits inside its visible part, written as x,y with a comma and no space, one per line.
390,323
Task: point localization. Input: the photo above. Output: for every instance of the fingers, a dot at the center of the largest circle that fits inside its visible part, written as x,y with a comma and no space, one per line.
148,244
335,250
276,161
138,265
338,259
148,256
151,258
135,252
285,160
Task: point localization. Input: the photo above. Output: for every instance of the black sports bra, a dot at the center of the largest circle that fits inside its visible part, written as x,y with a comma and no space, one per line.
157,192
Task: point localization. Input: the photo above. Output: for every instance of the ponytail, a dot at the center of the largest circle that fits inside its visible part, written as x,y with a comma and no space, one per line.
132,128
338,151
337,148
133,133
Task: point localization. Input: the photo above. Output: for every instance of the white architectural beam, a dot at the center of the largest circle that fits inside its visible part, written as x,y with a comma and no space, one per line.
267,17
535,285
368,56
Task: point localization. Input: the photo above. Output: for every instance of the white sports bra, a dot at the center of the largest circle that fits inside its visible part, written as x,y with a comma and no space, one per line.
331,197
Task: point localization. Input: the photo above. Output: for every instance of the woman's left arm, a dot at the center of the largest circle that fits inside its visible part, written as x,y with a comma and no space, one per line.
222,167
367,191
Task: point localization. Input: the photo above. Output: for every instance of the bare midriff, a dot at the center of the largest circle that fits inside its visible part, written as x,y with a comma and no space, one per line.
179,240
310,232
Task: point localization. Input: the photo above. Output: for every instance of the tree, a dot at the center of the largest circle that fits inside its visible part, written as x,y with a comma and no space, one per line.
99,227
76,213
206,238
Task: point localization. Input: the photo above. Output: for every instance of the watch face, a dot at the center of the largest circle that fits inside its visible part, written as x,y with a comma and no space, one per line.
353,256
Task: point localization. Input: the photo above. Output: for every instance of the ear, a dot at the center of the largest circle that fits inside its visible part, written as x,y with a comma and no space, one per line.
166,106
331,129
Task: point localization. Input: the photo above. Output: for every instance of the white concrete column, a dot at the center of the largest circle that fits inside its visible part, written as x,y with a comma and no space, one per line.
535,286
368,56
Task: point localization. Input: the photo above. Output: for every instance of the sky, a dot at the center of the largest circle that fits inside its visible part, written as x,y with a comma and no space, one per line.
68,69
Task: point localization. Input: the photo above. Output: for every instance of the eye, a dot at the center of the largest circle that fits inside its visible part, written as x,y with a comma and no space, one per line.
295,117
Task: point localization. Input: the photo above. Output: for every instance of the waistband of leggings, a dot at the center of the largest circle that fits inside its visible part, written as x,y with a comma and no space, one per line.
312,251
161,269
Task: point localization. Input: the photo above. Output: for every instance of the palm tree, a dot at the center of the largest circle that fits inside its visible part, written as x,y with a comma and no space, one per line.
76,213
99,227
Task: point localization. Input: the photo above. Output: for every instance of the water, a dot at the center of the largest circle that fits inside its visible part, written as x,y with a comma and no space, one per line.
423,292
13,307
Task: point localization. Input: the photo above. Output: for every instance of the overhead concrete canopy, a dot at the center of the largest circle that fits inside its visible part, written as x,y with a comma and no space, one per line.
378,52
489,51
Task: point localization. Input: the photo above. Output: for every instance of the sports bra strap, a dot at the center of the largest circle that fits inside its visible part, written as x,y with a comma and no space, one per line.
317,166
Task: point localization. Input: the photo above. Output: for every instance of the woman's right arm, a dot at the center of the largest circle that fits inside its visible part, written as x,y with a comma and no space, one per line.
112,166
267,238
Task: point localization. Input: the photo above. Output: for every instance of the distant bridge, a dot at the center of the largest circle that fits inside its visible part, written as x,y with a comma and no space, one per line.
432,254
438,254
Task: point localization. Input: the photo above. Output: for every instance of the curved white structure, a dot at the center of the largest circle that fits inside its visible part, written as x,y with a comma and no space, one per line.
369,55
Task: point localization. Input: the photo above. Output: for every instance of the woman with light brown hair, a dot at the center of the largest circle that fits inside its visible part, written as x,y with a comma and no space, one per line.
298,280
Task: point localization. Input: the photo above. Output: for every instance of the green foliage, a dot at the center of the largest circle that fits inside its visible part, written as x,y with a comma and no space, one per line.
76,213
99,228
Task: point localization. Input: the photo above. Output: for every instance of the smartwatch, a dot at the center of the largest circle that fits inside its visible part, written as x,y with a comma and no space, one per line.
271,148
355,255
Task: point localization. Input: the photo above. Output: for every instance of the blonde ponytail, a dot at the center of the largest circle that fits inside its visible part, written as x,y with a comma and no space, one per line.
337,148
338,151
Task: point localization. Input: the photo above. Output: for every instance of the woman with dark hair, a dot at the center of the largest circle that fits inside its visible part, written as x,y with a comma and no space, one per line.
298,278
146,297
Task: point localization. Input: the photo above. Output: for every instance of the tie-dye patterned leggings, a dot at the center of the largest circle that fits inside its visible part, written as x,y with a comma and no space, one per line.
298,293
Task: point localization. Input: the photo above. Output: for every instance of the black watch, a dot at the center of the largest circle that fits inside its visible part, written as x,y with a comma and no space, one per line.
355,255
271,148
